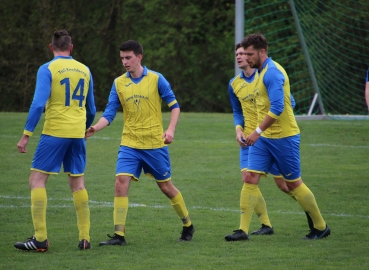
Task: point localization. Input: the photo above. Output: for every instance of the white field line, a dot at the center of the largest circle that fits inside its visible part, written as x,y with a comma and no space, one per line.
97,204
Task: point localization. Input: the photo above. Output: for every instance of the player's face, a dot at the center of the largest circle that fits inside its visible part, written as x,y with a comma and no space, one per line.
253,57
241,58
130,61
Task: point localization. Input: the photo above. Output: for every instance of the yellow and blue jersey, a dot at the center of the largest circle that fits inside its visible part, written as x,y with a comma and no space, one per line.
64,89
241,94
367,75
141,100
273,98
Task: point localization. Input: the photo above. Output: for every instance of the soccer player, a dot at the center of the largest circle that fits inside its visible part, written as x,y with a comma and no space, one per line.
367,89
140,92
64,88
241,93
276,138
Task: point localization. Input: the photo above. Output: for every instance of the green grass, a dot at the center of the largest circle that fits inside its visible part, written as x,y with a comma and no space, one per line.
205,165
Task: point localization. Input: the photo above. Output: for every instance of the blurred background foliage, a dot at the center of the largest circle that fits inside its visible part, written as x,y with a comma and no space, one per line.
191,43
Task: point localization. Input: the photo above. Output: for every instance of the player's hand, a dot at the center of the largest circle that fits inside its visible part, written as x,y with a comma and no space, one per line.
22,144
168,136
90,132
252,138
241,140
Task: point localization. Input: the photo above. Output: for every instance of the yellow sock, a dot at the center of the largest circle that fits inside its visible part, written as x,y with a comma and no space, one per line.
120,215
83,213
179,206
261,212
306,199
249,197
38,211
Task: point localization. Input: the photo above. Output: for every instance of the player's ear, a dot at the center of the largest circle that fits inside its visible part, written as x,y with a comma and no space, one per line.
51,48
70,48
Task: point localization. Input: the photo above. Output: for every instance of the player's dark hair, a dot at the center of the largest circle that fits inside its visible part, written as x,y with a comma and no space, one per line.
61,40
131,45
238,45
257,40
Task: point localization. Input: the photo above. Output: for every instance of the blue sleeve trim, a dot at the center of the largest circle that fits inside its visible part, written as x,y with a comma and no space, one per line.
90,104
166,92
274,83
112,106
238,118
175,105
42,94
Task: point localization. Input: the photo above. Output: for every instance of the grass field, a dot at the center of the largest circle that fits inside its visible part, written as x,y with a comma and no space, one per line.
335,165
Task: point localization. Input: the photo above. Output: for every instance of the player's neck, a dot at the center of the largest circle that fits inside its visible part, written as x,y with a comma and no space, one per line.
137,73
61,53
248,71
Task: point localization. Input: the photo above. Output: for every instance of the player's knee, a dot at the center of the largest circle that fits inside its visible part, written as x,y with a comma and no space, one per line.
252,178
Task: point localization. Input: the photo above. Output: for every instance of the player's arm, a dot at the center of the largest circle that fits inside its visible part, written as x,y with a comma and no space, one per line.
109,113
42,94
273,81
90,104
168,135
238,117
166,93
367,90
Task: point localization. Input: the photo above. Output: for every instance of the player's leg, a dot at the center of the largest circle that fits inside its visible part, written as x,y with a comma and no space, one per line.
259,162
282,185
179,206
37,182
306,199
260,208
261,212
128,168
288,162
45,162
157,165
80,198
74,165
38,241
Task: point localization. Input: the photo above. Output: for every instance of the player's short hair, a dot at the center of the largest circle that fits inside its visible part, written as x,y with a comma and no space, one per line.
61,40
131,45
257,40
238,45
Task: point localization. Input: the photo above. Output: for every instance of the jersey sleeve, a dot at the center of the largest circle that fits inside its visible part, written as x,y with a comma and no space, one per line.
90,104
293,102
236,107
166,93
274,81
42,94
113,105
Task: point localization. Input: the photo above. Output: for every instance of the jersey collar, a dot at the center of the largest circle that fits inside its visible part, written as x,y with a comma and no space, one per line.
144,73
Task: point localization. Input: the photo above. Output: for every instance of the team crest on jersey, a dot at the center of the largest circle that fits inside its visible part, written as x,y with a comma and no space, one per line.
137,102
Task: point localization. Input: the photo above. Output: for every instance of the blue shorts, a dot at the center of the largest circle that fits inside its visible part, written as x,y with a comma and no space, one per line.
284,152
52,152
154,162
244,158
